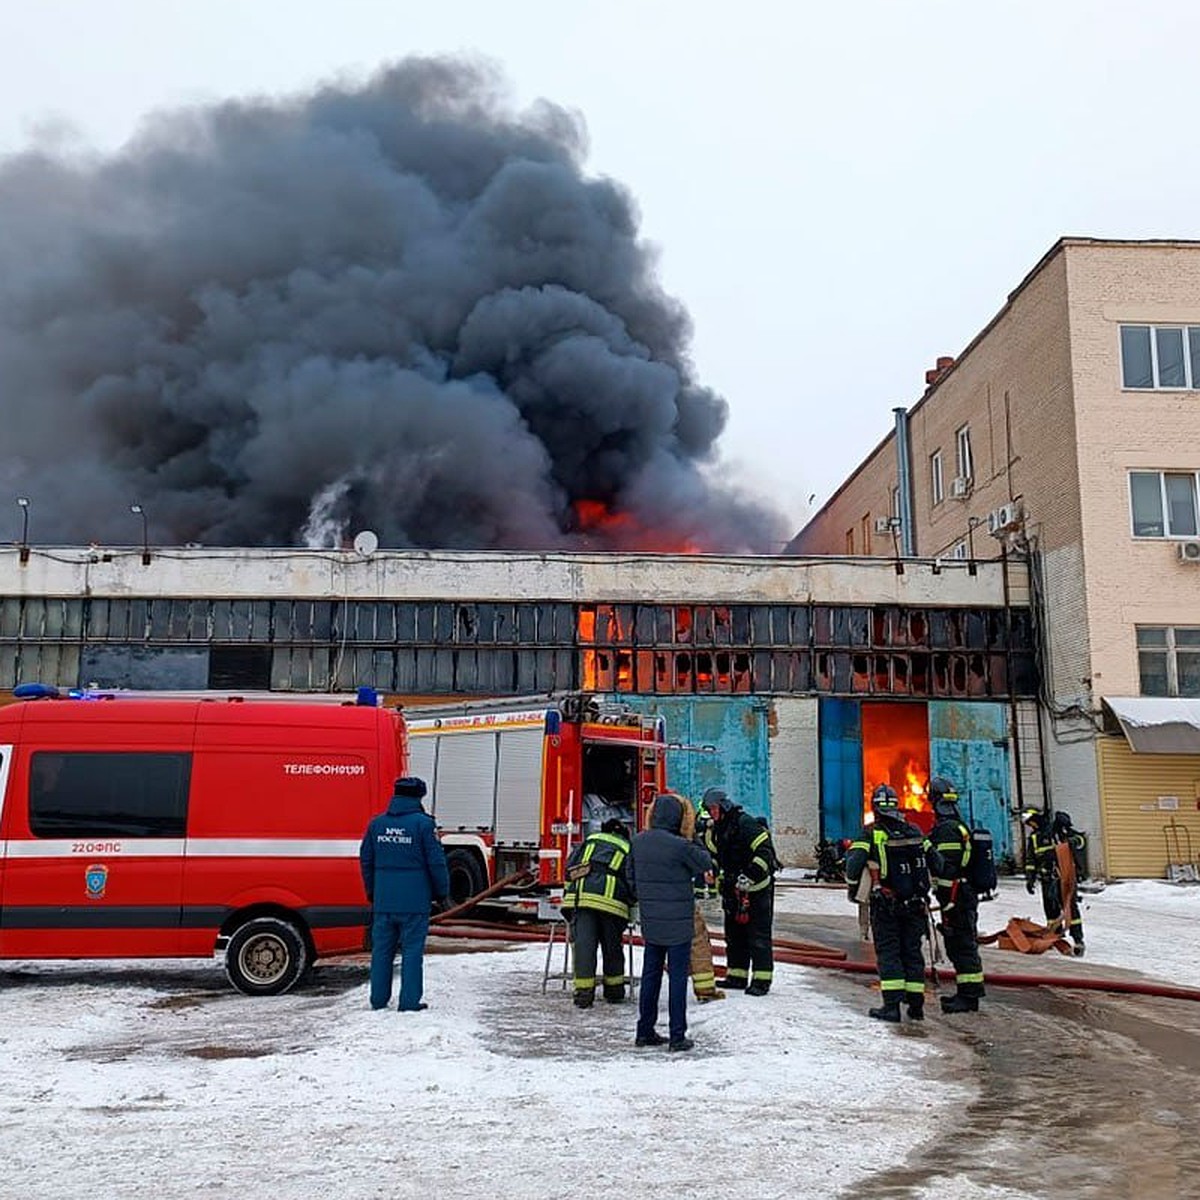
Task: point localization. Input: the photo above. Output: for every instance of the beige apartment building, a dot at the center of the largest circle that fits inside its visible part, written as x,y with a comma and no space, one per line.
1068,432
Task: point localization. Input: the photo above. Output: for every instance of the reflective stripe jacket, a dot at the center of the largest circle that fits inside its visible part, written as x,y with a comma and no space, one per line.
742,847
949,853
605,886
894,851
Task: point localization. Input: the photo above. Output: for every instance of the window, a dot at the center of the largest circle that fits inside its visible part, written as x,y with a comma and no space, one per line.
964,466
935,477
849,541
1163,503
1168,660
959,550
1160,356
100,794
865,527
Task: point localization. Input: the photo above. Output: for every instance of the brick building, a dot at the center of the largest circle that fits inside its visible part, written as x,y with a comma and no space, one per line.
1068,432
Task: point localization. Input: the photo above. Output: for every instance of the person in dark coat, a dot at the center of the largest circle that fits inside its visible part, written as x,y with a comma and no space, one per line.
891,852
596,902
1043,836
741,844
404,873
949,857
662,868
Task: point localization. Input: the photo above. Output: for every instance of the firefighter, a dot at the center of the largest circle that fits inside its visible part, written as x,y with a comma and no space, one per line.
741,846
596,901
949,858
405,876
704,980
893,852
1041,866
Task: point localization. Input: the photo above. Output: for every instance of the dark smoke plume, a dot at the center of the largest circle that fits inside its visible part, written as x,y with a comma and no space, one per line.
401,306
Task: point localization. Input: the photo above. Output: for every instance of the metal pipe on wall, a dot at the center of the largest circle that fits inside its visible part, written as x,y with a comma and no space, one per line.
908,540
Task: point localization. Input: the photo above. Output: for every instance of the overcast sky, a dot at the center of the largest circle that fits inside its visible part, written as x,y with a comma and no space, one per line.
839,194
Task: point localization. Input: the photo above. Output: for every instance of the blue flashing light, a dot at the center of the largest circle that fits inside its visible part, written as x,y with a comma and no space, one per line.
368,697
35,691
553,722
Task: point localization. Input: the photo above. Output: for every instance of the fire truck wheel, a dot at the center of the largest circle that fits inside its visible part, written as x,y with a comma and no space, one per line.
466,874
265,957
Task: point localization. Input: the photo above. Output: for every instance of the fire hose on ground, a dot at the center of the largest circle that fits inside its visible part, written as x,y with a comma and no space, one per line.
795,952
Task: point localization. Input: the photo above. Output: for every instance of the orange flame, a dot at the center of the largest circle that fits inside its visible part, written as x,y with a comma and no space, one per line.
623,531
896,752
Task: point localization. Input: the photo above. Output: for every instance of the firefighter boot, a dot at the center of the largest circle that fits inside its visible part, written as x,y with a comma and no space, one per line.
1078,949
916,1008
584,999
711,994
889,1010
614,993
958,1003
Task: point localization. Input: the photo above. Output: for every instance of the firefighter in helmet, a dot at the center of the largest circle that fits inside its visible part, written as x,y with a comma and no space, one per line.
950,861
1042,838
741,847
893,852
596,901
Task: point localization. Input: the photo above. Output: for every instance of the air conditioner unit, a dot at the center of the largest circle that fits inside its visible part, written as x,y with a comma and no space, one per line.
883,524
1002,519
960,487
1189,552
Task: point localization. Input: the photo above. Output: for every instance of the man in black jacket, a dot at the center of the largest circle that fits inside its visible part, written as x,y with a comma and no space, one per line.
596,901
662,867
949,858
742,847
893,852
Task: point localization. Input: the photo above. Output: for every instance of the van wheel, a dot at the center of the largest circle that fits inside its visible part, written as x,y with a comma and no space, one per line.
466,875
265,957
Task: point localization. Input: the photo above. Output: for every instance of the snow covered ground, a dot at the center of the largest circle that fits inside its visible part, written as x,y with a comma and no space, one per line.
154,1079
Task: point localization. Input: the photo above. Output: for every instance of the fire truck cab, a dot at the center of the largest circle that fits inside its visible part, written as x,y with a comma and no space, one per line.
514,784
133,827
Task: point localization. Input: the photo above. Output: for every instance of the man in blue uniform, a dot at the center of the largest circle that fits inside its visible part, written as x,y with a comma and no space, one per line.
404,873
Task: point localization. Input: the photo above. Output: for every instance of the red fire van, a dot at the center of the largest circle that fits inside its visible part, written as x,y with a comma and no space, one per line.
146,828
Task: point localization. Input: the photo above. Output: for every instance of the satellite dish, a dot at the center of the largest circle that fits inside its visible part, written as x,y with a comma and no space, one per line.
366,543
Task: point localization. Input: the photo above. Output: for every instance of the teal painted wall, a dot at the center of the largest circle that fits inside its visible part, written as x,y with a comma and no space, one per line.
735,726
968,744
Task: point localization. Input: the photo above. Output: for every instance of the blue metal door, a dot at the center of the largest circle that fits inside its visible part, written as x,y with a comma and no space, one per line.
840,723
968,744
735,727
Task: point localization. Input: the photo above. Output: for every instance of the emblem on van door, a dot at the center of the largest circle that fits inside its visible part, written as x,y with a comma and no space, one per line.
96,879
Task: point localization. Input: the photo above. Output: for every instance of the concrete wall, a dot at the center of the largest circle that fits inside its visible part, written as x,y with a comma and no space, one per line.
795,779
425,575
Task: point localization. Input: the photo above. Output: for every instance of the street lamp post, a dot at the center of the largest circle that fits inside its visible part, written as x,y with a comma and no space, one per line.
139,511
23,504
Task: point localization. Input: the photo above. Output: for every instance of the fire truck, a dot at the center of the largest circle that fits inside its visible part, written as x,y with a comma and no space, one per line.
514,784
135,826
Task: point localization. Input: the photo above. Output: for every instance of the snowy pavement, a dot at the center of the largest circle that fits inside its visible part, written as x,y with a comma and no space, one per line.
156,1080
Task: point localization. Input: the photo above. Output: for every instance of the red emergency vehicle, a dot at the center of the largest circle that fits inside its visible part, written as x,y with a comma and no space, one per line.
135,828
514,784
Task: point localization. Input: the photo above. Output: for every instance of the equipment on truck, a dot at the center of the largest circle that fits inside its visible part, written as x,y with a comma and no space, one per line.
515,784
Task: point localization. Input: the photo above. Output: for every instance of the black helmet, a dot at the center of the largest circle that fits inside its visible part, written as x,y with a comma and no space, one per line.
717,798
884,799
615,825
943,795
1062,822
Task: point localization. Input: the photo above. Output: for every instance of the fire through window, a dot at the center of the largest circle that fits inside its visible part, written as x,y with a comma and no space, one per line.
895,750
